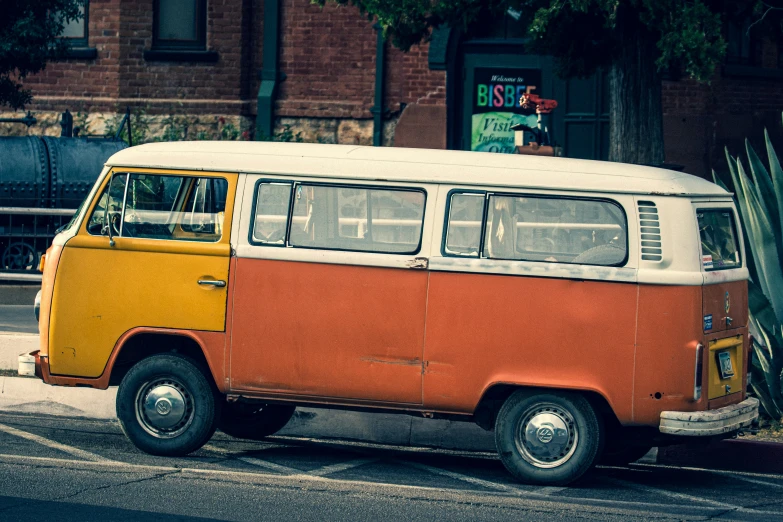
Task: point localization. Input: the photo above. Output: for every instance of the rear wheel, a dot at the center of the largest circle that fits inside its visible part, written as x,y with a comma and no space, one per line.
547,438
167,405
254,421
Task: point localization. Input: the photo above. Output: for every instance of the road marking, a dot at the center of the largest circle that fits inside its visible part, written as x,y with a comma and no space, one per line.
575,503
76,452
460,476
342,466
285,470
739,475
679,496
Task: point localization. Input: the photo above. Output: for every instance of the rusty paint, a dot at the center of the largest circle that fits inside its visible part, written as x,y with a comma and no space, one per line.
389,360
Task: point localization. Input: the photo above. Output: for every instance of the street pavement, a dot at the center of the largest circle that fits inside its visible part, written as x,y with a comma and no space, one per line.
59,468
18,319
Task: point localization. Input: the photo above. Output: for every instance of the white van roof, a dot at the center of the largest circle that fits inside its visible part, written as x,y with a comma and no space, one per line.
414,165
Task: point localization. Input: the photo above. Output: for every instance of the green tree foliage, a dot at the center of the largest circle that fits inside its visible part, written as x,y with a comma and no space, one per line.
582,34
29,31
634,40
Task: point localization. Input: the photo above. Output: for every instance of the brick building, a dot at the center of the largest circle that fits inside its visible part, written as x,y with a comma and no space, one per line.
206,69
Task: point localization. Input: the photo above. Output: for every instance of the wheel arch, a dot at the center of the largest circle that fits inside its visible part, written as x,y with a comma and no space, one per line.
486,411
139,343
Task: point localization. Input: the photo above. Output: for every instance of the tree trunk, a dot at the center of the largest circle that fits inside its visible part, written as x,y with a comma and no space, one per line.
635,110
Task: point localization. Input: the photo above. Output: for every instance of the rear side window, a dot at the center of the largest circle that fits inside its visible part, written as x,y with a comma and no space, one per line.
719,248
339,217
537,228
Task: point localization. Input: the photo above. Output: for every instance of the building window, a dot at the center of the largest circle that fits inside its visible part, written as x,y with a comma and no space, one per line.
180,25
75,31
742,40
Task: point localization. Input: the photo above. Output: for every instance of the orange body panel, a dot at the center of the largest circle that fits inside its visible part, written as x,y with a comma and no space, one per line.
669,330
558,333
320,330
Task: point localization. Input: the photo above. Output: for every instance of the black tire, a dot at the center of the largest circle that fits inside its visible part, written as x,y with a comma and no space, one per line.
254,421
564,446
622,454
144,414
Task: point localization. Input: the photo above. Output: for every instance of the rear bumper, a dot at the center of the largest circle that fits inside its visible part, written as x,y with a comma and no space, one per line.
712,422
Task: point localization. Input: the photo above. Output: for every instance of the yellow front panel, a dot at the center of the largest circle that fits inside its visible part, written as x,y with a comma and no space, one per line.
718,386
101,292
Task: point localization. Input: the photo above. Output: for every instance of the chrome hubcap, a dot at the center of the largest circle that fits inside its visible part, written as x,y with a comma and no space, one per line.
546,435
164,408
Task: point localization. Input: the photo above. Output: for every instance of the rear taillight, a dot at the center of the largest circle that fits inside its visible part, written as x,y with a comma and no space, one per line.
698,372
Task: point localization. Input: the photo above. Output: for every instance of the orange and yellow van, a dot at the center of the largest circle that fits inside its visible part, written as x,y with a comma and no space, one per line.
585,311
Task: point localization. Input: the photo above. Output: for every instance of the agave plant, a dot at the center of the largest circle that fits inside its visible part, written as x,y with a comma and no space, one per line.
760,201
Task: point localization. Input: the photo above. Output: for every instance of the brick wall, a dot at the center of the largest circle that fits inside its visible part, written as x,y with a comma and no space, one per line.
83,84
701,119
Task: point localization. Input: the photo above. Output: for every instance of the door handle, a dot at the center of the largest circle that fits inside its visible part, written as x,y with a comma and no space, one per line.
212,282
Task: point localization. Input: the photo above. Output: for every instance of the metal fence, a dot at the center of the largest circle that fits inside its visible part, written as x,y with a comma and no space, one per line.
25,234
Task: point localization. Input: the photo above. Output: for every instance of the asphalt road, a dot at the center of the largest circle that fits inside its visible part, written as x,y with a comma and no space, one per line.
18,318
55,468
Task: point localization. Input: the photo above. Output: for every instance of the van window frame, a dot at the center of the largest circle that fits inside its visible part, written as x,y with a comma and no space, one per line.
289,218
735,226
250,238
488,193
179,199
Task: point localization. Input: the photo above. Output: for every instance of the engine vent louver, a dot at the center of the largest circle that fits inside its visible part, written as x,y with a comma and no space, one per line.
650,228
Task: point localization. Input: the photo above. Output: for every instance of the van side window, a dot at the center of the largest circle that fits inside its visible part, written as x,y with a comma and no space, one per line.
360,219
272,201
555,229
463,235
163,207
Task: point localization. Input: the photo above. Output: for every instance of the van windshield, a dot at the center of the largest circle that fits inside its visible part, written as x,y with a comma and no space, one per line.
719,249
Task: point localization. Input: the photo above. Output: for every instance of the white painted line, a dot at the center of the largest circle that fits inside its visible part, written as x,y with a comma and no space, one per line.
679,496
254,461
548,491
342,466
460,476
285,470
734,474
76,452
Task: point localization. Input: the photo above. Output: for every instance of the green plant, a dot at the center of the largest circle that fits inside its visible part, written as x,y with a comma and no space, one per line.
139,126
760,202
286,135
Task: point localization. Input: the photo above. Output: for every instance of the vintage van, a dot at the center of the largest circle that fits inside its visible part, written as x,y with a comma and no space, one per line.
585,311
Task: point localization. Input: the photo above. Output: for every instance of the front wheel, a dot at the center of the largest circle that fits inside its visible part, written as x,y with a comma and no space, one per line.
167,406
548,438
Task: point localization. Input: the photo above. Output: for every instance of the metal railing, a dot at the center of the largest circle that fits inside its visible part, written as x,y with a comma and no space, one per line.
25,234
